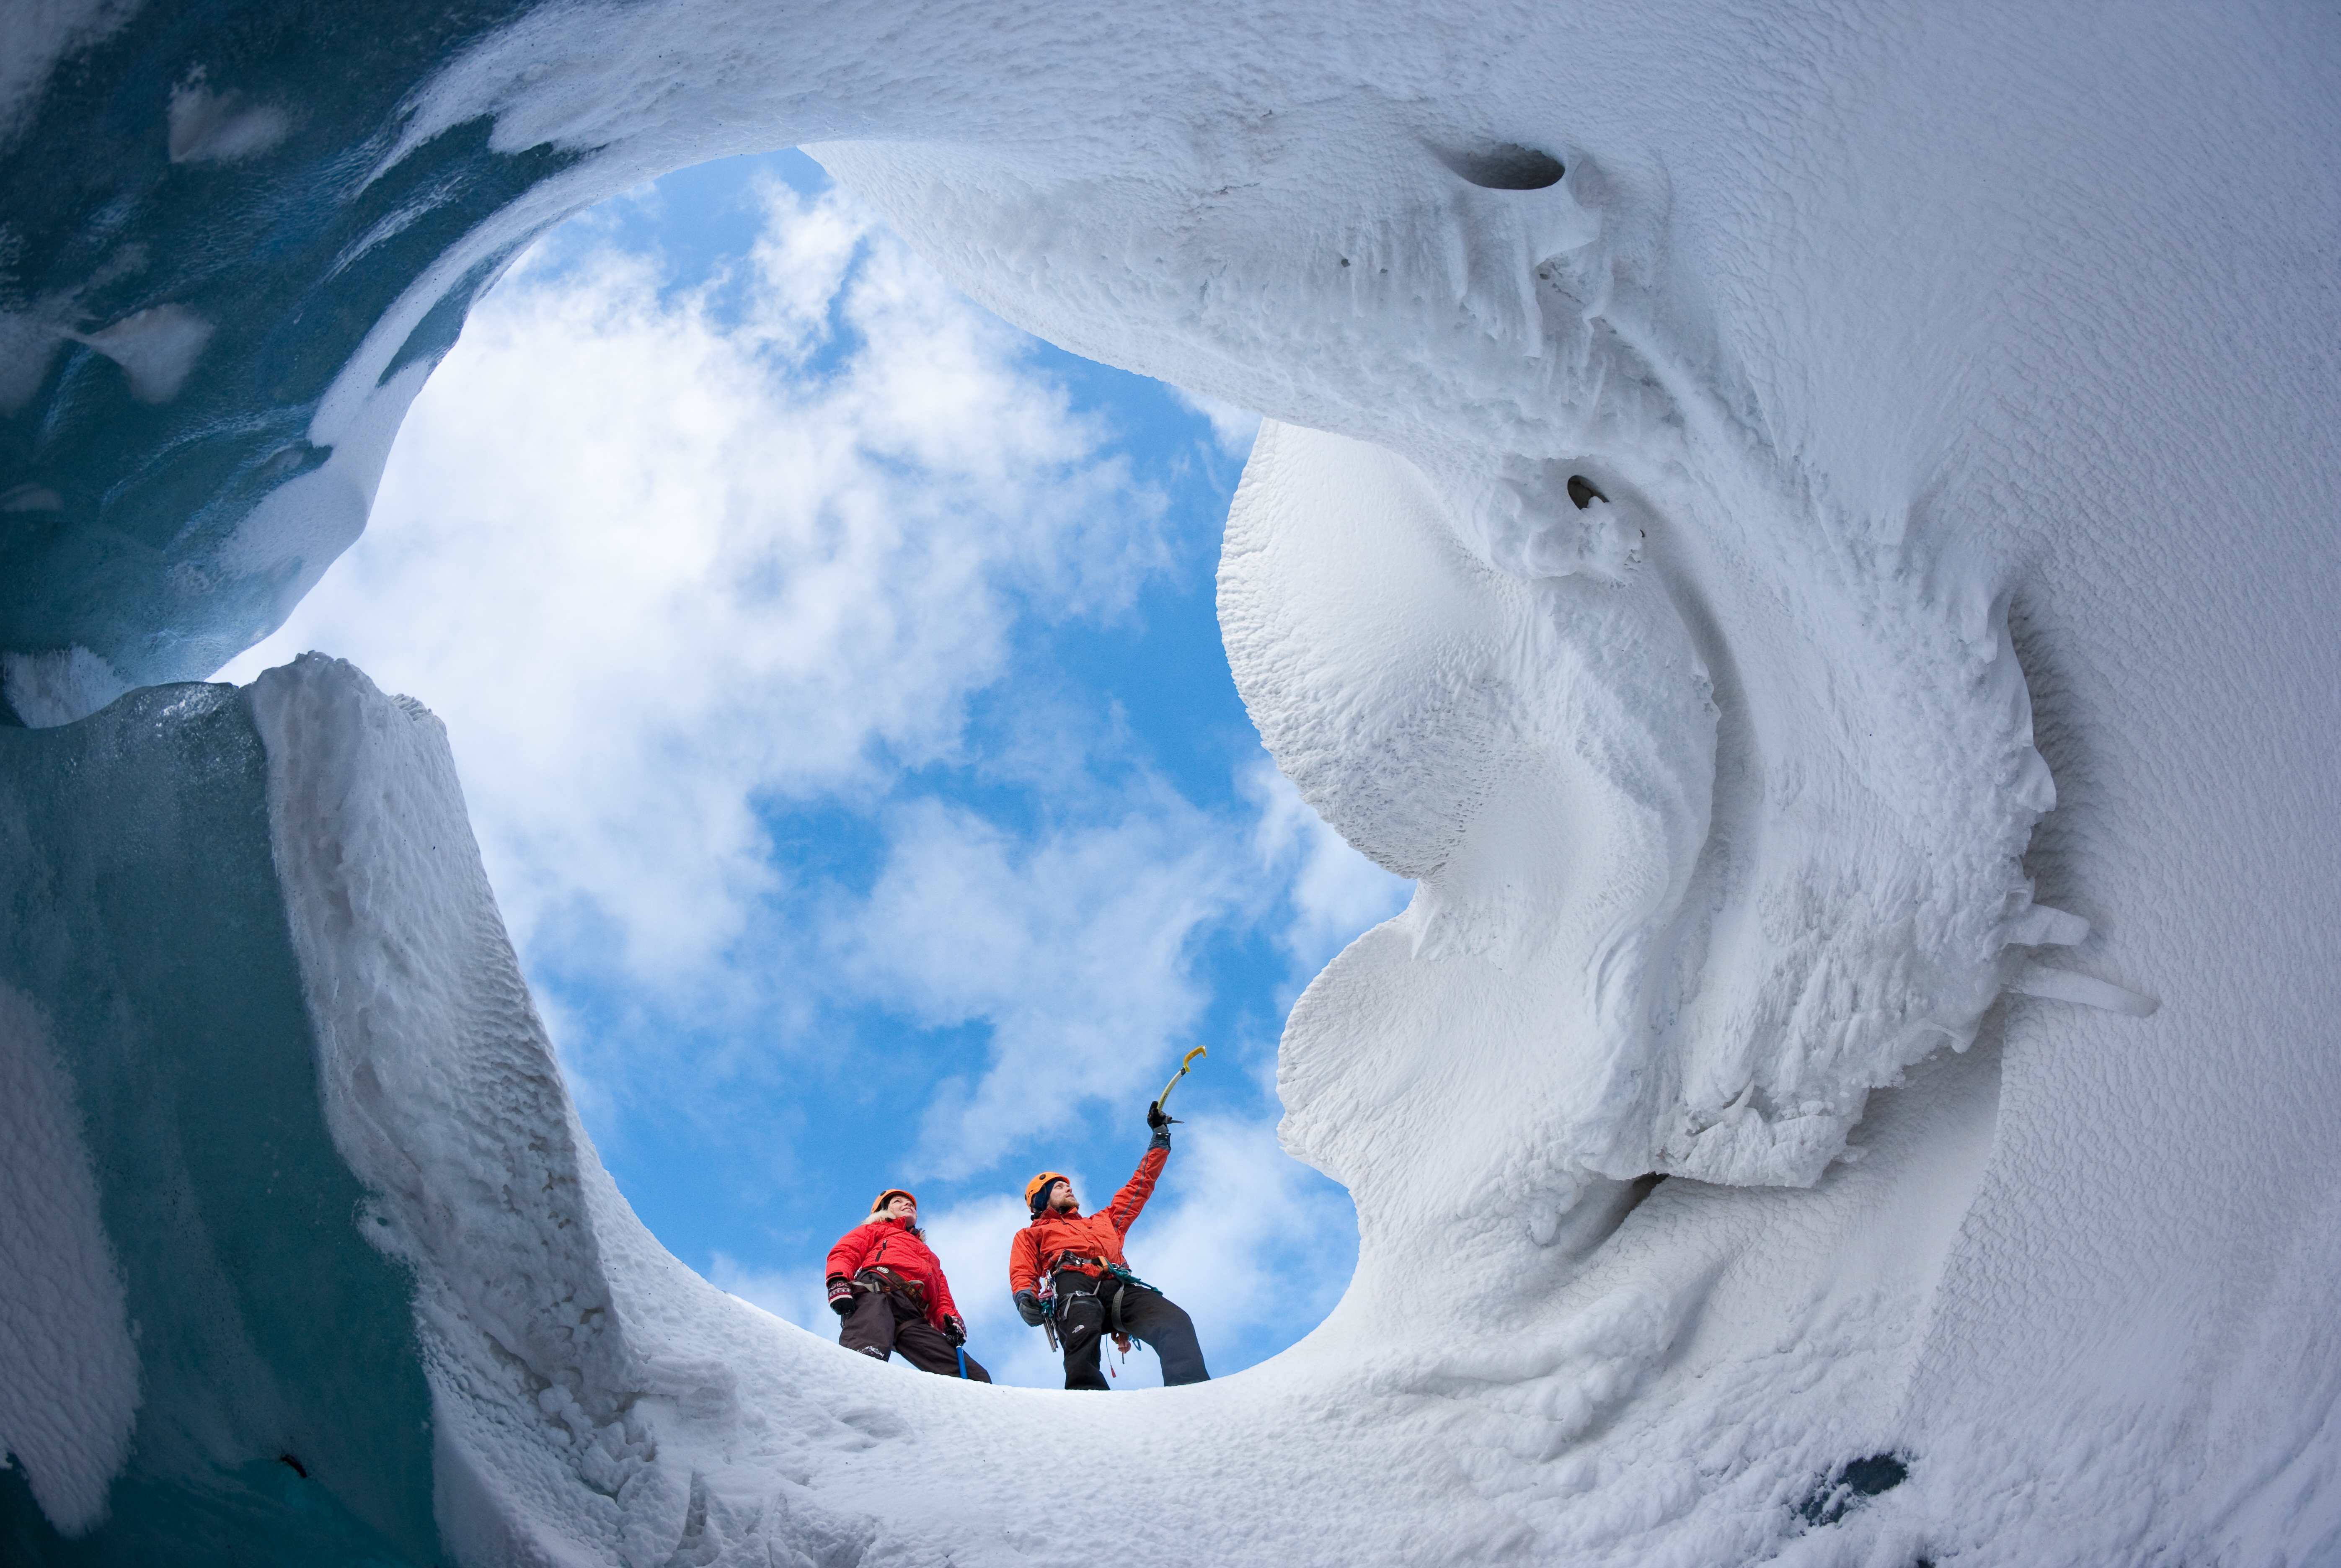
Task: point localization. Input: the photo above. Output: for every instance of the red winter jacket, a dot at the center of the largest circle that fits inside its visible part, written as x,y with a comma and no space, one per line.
1055,1240
892,1245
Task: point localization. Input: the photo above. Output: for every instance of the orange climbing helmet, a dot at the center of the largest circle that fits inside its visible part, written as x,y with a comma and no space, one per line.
880,1201
1036,1191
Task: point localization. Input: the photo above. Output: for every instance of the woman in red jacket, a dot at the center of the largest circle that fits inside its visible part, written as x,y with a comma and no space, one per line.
889,1287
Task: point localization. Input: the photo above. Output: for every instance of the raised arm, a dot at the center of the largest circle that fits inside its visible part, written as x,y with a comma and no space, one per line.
1123,1210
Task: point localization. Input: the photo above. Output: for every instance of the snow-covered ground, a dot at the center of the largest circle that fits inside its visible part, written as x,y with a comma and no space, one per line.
1808,532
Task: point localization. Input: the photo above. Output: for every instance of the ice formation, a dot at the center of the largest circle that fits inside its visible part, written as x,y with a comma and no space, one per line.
1806,531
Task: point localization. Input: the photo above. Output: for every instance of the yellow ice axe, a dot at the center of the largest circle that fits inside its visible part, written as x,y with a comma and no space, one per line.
1198,1051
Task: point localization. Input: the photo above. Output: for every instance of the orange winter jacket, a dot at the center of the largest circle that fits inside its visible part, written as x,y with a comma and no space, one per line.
1054,1241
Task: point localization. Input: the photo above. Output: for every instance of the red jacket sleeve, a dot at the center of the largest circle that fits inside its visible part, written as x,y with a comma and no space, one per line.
846,1257
943,1306
1023,1261
1132,1198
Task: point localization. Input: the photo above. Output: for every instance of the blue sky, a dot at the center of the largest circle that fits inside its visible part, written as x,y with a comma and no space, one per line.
833,675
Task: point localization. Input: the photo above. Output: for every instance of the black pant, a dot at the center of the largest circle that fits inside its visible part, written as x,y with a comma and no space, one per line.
884,1322
1089,1309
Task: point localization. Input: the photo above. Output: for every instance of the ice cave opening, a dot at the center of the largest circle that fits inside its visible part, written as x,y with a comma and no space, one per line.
918,753
1706,549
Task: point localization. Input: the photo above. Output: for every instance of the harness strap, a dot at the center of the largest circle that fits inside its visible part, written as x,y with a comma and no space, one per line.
887,1280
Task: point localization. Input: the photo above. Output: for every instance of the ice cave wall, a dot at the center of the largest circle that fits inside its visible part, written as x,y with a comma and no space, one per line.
1730,473
239,1315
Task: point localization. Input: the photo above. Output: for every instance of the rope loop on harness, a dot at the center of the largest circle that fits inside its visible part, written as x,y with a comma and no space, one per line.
1066,1260
1127,1277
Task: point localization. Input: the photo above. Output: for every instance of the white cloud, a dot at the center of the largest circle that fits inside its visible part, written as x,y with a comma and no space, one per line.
1334,892
798,1295
1251,1240
1235,428
655,566
1076,946
973,1241
1076,949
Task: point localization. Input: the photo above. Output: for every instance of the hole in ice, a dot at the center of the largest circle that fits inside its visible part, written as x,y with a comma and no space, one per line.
1506,166
1582,492
1854,1483
962,836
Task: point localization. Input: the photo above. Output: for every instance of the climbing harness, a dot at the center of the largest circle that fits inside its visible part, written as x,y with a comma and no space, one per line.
887,1281
1068,1260
1115,1324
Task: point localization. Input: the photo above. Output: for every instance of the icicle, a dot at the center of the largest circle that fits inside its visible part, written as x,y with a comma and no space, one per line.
2071,985
2042,926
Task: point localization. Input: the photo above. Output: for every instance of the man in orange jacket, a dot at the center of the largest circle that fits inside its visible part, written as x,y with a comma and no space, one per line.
1076,1259
887,1286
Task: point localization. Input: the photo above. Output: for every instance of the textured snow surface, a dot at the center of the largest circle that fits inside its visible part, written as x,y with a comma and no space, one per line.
590,1391
1723,967
1809,531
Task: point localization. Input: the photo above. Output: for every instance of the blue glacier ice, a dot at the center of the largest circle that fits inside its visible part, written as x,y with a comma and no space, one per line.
135,214
146,927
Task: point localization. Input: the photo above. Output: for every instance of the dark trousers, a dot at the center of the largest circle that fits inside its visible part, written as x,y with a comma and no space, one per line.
883,1323
1090,1309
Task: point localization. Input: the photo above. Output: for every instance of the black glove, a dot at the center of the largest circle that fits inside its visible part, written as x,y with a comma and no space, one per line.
1027,1307
1161,1125
840,1295
954,1331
